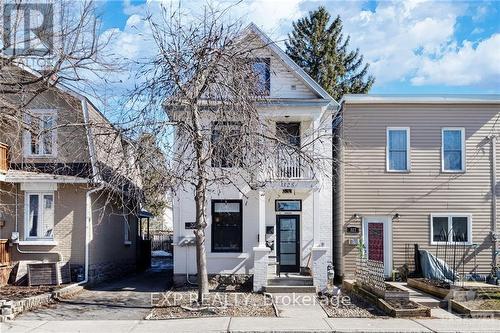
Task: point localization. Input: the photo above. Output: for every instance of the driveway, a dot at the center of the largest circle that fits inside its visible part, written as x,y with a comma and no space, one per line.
125,299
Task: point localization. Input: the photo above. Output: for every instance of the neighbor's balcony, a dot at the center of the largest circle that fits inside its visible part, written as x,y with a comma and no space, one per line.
4,158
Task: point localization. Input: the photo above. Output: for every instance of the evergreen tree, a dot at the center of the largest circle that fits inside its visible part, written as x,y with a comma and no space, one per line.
319,47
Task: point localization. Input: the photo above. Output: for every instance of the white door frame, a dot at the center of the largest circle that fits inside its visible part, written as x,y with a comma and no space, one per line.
387,220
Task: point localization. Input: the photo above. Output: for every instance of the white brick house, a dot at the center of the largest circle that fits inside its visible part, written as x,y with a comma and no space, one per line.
285,226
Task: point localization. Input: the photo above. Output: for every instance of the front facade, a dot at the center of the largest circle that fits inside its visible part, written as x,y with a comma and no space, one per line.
53,206
416,170
286,223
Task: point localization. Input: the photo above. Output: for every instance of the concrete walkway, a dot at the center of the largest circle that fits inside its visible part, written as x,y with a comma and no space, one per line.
300,306
127,299
226,324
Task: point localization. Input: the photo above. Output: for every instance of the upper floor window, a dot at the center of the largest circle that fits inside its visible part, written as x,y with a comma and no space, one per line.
39,216
453,149
398,149
451,228
226,147
40,135
261,68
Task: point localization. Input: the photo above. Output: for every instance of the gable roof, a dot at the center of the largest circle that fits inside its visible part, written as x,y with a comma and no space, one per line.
301,74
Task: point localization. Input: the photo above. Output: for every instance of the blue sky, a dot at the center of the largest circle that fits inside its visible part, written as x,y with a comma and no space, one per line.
412,46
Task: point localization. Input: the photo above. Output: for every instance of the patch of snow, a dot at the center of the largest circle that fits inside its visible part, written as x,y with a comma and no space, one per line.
160,253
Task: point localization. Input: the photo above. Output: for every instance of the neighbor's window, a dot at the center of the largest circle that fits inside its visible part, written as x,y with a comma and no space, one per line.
398,149
40,135
226,145
261,68
226,226
451,228
39,215
453,149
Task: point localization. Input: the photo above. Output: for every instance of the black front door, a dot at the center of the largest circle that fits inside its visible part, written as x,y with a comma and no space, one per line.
288,249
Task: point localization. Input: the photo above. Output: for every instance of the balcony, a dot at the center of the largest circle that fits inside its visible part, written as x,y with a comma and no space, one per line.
4,159
290,166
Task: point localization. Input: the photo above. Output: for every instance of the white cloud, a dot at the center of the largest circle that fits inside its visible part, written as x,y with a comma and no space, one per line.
411,41
468,65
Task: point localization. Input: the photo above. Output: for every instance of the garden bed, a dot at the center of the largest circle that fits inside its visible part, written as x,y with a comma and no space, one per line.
15,293
183,304
394,307
436,288
487,304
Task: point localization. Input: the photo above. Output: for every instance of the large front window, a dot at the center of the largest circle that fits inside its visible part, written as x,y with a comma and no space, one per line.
452,228
226,226
453,149
39,216
398,149
40,134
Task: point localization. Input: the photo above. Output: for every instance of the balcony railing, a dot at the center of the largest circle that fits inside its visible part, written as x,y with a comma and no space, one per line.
291,166
4,158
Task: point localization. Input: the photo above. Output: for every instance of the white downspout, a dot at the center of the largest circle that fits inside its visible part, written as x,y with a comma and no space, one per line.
88,196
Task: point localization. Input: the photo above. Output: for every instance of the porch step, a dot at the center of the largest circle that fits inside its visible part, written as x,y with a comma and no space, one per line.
290,289
290,281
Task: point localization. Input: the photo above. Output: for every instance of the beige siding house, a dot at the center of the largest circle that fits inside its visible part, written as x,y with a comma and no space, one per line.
68,196
415,170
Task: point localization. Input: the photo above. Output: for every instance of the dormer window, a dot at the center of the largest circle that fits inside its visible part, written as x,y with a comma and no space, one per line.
40,134
261,68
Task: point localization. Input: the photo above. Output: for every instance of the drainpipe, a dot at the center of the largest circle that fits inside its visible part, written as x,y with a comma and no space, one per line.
88,229
494,234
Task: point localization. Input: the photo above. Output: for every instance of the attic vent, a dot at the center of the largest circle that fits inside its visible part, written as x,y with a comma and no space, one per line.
287,191
293,87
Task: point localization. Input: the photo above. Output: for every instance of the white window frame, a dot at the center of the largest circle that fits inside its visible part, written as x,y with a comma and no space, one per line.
27,225
450,225
463,166
408,152
27,134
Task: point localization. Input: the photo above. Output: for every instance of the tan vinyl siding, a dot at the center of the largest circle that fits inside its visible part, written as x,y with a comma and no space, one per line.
370,190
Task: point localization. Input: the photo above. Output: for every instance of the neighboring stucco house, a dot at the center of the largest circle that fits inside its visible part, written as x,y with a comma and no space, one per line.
69,195
416,170
293,212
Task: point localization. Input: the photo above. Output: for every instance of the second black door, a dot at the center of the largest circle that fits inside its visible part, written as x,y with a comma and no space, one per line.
288,249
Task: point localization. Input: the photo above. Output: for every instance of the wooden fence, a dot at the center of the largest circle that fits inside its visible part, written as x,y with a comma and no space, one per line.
161,242
4,252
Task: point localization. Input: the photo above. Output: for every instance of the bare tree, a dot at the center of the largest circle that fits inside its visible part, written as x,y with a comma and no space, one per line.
202,97
49,52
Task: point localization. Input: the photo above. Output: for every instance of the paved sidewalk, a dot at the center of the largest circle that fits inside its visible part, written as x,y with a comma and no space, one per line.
305,306
226,324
